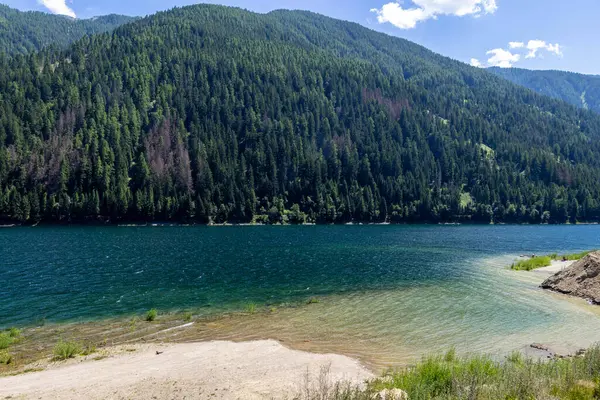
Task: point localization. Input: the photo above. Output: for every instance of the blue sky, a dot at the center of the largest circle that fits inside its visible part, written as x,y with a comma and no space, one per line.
534,34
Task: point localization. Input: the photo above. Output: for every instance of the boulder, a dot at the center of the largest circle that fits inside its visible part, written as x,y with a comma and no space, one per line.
539,346
581,279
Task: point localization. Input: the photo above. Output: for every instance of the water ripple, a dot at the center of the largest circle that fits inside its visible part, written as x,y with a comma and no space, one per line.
387,292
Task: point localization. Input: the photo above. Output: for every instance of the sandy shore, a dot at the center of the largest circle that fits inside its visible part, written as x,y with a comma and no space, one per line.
555,267
216,370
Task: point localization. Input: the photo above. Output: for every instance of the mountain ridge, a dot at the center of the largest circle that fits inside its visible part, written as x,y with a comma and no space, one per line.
22,32
210,114
580,90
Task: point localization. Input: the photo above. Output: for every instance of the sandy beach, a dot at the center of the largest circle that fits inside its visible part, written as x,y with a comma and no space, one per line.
223,370
556,266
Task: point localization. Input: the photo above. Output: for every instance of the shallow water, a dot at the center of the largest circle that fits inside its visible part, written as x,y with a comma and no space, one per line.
387,294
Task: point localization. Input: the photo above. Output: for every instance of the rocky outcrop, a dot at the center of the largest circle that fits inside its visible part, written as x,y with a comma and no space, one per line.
582,279
546,351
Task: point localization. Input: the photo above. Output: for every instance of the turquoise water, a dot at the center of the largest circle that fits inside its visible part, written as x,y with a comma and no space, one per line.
68,273
424,286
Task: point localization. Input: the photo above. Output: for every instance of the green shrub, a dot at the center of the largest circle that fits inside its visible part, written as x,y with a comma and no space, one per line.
14,333
574,257
133,323
578,392
544,261
9,337
251,308
515,357
532,263
450,355
313,300
5,357
6,340
65,350
151,315
187,317
591,361
481,377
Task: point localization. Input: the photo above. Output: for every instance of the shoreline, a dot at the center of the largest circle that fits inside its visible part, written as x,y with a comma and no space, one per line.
225,369
555,267
108,223
173,330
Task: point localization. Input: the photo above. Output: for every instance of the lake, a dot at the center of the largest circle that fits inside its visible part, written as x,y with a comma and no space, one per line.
386,293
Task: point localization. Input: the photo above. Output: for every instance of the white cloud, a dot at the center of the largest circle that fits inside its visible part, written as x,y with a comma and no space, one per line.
502,58
58,7
407,18
400,17
535,45
555,48
505,58
476,63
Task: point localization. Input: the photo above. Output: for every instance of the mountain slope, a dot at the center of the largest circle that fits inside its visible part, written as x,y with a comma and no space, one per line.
24,32
577,89
208,113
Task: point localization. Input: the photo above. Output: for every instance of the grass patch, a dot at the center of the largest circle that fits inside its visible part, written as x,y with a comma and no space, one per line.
251,308
545,261
187,317
5,357
465,200
532,263
88,349
571,257
151,315
322,386
133,324
452,377
480,377
487,151
5,341
65,350
14,333
313,300
9,337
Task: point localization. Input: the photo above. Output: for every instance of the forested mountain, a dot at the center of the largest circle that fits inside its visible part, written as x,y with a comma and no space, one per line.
24,32
578,89
213,114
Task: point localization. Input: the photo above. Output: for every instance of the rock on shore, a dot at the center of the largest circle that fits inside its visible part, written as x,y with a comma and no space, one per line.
582,279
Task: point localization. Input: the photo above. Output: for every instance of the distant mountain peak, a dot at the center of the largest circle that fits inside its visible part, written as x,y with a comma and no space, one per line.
577,89
22,32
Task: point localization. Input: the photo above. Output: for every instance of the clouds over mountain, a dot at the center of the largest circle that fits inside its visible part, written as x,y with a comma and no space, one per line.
58,7
516,51
421,10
